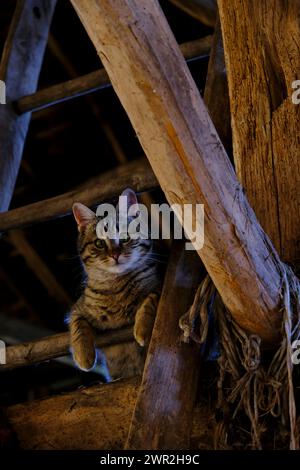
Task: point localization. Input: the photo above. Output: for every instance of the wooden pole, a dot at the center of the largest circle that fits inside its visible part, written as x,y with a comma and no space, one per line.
163,413
58,345
20,71
94,81
136,174
262,52
185,152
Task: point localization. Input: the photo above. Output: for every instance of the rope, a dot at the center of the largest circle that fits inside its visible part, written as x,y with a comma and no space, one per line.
249,384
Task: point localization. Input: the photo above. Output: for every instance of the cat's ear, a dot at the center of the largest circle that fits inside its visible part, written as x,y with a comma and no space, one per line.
131,199
83,215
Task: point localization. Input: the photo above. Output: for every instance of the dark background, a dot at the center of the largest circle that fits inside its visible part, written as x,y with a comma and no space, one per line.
66,144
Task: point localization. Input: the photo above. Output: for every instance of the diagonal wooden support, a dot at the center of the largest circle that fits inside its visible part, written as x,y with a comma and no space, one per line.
19,69
134,40
163,413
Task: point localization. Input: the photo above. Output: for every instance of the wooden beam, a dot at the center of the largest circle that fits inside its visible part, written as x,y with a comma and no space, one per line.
94,81
185,152
55,346
39,267
262,63
20,71
93,418
163,413
203,10
136,174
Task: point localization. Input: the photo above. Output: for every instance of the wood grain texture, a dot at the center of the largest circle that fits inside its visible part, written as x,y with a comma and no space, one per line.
181,143
163,413
262,52
19,69
135,174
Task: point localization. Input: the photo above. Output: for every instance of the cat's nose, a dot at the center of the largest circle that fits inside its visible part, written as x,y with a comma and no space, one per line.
115,256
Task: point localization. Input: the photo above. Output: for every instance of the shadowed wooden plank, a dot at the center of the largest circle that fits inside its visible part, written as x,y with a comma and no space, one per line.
163,413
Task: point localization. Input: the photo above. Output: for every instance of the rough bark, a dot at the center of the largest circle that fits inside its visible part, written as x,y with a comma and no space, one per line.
185,152
262,52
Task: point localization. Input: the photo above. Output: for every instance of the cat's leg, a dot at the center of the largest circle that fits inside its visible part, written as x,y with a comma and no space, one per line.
144,319
82,342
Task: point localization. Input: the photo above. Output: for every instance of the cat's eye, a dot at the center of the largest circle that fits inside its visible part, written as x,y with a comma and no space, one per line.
99,243
124,238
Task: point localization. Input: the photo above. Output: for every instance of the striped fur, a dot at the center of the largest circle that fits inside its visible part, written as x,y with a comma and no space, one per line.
121,288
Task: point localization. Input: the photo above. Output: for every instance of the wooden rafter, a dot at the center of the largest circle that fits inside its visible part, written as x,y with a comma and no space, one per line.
136,174
93,81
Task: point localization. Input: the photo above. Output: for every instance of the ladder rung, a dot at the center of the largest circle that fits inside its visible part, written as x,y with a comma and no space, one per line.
94,81
55,346
136,174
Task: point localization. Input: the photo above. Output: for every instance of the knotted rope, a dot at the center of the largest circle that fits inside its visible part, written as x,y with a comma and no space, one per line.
248,383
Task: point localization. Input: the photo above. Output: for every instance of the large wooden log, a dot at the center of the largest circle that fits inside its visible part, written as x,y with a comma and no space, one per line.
162,417
20,70
136,174
94,81
262,52
90,419
185,152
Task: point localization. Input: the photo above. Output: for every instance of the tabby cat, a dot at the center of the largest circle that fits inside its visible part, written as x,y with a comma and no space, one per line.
121,288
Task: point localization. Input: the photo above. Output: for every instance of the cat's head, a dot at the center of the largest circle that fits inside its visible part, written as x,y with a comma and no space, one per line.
99,251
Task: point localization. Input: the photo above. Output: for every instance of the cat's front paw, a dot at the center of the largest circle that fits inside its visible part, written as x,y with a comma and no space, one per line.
85,360
141,335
